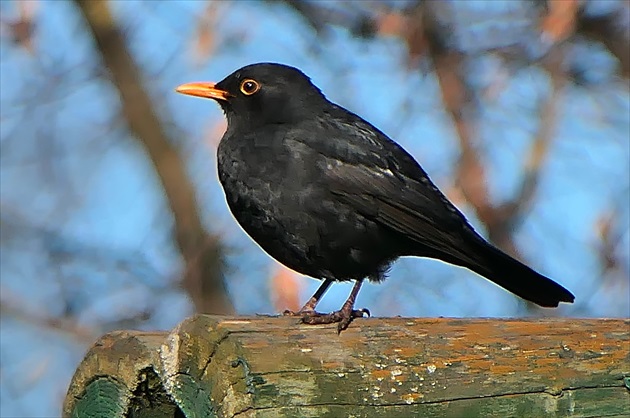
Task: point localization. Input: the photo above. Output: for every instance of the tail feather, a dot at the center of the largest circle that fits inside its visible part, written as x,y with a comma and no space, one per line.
509,273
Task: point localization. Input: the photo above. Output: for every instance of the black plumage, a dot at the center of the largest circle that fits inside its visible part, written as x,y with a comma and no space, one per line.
330,196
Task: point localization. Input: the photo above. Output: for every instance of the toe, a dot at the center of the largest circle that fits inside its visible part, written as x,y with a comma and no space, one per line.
362,313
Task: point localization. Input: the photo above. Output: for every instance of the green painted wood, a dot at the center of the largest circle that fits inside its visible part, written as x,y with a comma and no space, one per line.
103,398
191,397
118,374
212,366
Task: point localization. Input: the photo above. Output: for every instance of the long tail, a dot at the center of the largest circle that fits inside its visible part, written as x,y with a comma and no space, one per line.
509,273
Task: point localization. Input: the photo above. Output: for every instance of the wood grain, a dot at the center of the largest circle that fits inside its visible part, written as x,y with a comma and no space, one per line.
396,367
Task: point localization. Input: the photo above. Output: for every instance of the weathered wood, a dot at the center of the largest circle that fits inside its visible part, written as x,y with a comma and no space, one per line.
118,375
395,367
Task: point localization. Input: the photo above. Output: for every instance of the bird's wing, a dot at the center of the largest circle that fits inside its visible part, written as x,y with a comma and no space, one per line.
364,168
413,208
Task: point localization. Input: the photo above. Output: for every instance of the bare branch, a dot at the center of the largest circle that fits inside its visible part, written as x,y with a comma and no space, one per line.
11,306
202,252
513,210
613,34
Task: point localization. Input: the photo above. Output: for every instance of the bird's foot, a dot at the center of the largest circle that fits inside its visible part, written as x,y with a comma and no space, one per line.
301,313
342,317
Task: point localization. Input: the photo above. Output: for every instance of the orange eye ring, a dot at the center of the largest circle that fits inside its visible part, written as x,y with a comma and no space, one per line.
249,86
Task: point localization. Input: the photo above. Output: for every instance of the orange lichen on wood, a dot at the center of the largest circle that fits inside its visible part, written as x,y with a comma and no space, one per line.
398,367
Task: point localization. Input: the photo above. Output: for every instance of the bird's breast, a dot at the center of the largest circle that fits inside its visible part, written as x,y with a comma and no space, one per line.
278,191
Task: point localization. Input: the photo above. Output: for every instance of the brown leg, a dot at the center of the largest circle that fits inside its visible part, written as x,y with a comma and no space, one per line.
343,316
309,306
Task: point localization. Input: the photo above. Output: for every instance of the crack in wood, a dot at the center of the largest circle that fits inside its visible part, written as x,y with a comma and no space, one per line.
215,347
405,404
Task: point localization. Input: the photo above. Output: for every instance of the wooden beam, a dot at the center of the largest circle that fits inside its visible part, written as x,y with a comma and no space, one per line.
212,366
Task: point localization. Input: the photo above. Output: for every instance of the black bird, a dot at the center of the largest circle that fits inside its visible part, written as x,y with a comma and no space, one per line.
330,196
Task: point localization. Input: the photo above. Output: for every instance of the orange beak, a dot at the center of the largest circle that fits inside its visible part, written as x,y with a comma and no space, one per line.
205,90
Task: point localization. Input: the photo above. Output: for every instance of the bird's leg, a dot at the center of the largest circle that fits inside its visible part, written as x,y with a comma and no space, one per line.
309,307
343,316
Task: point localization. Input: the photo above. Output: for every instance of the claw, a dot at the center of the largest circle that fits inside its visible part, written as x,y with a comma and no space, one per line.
342,317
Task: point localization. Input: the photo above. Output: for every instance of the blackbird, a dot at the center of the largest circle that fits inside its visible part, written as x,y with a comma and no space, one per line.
330,196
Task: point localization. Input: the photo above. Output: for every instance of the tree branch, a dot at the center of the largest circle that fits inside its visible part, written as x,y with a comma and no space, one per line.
202,252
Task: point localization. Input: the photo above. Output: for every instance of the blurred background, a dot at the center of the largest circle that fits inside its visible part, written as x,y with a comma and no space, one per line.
112,216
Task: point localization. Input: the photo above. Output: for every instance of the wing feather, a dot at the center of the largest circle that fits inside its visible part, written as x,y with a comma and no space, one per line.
364,168
415,209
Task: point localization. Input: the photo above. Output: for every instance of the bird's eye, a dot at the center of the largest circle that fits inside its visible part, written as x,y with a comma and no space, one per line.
249,87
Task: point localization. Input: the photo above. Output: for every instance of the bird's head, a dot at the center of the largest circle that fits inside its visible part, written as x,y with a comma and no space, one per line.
261,94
